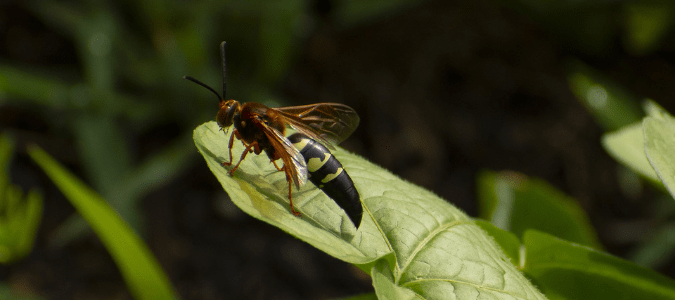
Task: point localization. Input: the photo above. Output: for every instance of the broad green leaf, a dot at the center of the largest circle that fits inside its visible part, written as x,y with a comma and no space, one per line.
564,270
659,133
413,242
140,270
385,283
515,202
627,146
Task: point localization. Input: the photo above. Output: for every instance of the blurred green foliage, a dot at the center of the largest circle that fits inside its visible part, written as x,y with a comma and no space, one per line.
127,85
590,27
627,140
19,214
6,292
565,270
132,55
517,203
139,268
611,104
127,82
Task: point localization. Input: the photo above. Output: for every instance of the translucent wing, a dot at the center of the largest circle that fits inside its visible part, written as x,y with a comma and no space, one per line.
293,160
330,123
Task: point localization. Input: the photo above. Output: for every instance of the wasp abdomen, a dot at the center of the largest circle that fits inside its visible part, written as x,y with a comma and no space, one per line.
327,173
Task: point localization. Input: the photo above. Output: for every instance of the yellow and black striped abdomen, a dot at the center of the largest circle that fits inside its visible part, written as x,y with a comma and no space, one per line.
327,173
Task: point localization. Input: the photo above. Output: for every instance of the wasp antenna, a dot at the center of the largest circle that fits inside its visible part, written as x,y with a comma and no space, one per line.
204,85
222,55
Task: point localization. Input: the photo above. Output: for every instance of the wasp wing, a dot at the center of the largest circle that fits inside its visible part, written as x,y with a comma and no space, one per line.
293,160
330,123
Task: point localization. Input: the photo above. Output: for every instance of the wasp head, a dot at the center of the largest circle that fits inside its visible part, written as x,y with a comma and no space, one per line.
228,108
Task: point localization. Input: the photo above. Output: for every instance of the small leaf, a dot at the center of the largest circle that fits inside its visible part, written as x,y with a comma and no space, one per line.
415,244
27,221
516,203
564,270
627,146
138,266
20,215
659,134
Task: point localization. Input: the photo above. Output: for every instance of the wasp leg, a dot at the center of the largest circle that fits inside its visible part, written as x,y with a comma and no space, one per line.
230,145
249,148
290,184
276,166
288,179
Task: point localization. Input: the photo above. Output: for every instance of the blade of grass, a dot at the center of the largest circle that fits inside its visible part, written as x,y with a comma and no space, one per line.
138,266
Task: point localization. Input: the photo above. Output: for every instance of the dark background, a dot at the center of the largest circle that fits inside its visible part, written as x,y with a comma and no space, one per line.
444,90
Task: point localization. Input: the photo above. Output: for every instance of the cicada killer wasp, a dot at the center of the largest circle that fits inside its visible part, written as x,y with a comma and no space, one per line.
306,155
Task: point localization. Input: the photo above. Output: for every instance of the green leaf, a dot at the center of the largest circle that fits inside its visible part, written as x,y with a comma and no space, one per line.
659,134
627,146
138,266
19,220
516,203
414,243
385,283
507,240
19,215
564,270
